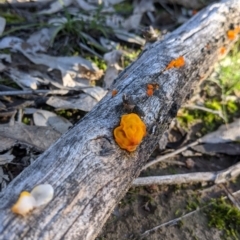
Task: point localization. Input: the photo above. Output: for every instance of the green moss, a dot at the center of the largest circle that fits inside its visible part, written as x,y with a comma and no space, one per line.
11,17
228,72
180,223
178,213
190,117
224,216
73,115
129,56
98,61
9,82
232,107
26,120
65,113
192,205
125,8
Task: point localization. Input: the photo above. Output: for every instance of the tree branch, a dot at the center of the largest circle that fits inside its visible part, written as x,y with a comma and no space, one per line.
188,178
87,170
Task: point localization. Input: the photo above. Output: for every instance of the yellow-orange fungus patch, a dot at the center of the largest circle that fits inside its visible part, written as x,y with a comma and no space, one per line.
150,90
231,34
114,92
222,50
130,132
176,63
151,87
24,204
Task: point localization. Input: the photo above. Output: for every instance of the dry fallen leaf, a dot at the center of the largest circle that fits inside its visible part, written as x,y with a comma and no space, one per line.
128,37
37,137
40,40
25,79
46,118
96,92
112,58
225,133
83,102
6,158
75,68
6,143
213,149
56,6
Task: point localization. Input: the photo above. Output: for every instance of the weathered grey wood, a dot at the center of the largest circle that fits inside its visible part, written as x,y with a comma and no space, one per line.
88,171
190,178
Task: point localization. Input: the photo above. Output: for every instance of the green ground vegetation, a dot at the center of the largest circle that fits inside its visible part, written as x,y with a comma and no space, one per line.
219,93
224,216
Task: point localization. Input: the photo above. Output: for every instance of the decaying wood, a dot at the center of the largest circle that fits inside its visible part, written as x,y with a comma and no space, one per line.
87,170
190,178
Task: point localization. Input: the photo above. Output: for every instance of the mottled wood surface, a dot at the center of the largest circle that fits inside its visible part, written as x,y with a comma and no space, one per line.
88,171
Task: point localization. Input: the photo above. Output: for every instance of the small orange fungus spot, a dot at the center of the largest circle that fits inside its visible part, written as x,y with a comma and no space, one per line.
222,50
130,132
194,12
231,34
176,63
25,204
151,88
149,92
114,92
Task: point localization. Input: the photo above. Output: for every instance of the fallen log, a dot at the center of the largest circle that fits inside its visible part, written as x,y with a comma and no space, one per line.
87,169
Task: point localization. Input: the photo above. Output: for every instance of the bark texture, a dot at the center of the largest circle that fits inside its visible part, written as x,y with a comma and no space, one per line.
86,168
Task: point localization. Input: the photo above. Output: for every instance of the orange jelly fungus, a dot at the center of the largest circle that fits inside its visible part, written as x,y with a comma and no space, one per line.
130,132
176,63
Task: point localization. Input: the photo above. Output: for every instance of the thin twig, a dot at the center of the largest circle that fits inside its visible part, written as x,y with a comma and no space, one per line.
173,162
169,223
216,177
231,197
29,92
162,158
